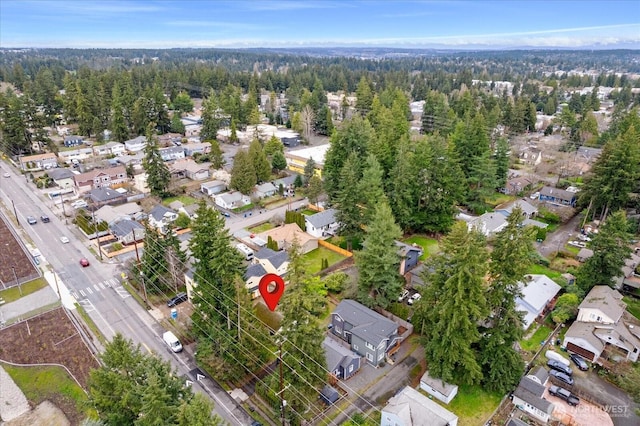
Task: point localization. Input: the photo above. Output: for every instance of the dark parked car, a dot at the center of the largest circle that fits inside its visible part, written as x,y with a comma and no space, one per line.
564,394
561,377
44,218
557,365
174,301
579,361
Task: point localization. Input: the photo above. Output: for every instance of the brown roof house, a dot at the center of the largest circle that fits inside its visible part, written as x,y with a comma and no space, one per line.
100,178
600,331
188,168
38,162
285,234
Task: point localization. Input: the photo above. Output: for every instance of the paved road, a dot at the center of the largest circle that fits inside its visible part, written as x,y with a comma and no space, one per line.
620,405
559,238
97,287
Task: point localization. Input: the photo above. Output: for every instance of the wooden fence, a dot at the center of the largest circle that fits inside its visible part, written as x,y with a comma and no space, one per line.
335,248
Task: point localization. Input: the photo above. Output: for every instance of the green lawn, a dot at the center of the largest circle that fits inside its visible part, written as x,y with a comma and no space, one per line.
429,245
48,383
13,293
538,269
473,405
535,341
309,212
633,306
184,199
497,199
313,260
261,228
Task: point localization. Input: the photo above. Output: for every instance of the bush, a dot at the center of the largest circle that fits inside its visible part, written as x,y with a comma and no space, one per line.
117,246
335,282
548,216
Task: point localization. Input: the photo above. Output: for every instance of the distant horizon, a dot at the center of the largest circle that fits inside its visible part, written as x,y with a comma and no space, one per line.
288,24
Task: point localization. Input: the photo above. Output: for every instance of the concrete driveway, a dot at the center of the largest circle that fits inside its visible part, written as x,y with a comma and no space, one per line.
584,413
620,407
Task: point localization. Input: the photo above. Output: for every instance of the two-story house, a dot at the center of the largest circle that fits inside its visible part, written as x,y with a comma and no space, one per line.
110,148
322,223
100,178
188,168
368,333
160,217
409,256
274,262
537,296
252,277
171,153
600,331
136,144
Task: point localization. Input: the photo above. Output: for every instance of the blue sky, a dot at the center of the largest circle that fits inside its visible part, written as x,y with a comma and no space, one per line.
288,23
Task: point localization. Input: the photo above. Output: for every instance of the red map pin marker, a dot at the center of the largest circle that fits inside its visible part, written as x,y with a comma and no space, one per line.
272,297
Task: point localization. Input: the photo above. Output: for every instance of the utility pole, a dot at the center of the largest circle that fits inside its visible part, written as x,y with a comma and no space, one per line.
144,288
95,226
17,282
15,212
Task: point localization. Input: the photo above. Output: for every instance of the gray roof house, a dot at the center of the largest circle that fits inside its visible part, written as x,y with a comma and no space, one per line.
322,223
489,223
127,231
160,217
342,363
411,408
252,277
62,177
528,211
528,398
266,189
537,292
370,334
274,262
558,196
171,153
438,388
103,196
136,144
584,254
213,187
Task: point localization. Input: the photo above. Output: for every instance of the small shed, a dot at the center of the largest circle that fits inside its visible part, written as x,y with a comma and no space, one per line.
329,395
440,389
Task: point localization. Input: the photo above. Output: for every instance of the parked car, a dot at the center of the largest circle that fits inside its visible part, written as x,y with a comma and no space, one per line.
403,296
556,365
84,262
413,299
564,394
64,240
178,299
32,220
6,174
534,196
78,204
561,377
579,361
44,218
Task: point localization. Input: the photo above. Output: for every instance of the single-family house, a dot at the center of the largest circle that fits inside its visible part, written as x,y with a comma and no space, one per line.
538,293
285,234
133,160
489,223
528,211
189,210
600,331
274,262
629,279
101,150
116,148
438,388
368,333
101,178
46,161
171,153
112,214
231,200
127,231
252,277
528,398
558,196
188,168
342,363
409,256
266,189
76,155
73,140
62,177
160,217
136,144
517,185
322,223
411,408
103,196
530,156
584,254
213,187
196,148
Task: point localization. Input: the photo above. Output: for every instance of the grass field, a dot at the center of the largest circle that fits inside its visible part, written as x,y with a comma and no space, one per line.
473,405
533,343
184,199
633,306
429,245
13,293
261,228
538,269
313,260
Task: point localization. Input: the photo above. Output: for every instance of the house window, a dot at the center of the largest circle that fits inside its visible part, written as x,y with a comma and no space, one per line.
369,345
369,357
350,368
356,348
339,330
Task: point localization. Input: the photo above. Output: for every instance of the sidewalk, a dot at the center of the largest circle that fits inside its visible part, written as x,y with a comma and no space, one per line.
24,305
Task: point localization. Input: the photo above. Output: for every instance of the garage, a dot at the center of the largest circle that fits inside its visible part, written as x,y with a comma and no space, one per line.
588,355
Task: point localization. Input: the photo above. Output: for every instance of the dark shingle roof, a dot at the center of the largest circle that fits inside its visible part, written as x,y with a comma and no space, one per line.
61,173
254,270
124,227
531,392
323,218
159,211
367,324
104,194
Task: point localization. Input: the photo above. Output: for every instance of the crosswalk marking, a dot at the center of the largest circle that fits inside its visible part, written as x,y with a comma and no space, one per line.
75,295
95,286
89,290
101,286
82,293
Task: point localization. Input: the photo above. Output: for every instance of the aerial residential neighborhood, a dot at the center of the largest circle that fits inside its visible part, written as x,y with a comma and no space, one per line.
300,235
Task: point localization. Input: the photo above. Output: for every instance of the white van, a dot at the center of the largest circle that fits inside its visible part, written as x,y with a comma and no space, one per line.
246,251
172,341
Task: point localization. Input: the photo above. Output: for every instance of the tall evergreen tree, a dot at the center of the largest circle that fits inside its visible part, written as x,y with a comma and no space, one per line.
279,162
243,174
371,189
364,96
349,214
259,160
158,175
211,118
452,305
154,264
380,282
309,170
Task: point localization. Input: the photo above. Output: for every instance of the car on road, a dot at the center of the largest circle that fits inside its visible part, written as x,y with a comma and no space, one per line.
413,299
564,394
32,220
579,362
6,174
44,218
403,296
84,262
557,365
64,240
178,299
561,377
